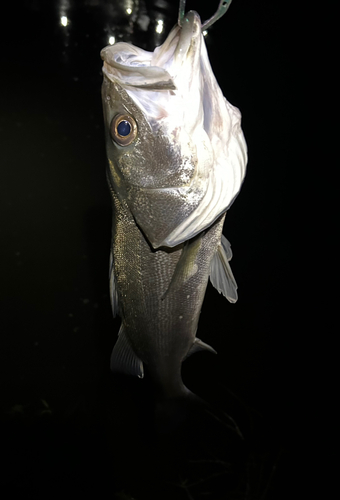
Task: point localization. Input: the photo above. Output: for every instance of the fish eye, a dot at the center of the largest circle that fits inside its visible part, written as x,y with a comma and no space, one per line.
123,129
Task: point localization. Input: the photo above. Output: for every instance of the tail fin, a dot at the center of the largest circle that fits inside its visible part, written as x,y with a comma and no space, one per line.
175,413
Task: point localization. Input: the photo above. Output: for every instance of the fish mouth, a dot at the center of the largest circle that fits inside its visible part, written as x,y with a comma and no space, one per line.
188,45
131,66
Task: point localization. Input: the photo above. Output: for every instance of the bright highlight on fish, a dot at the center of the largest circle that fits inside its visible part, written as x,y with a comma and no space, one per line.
176,162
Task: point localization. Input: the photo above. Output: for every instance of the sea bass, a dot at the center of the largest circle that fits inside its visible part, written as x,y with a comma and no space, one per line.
176,161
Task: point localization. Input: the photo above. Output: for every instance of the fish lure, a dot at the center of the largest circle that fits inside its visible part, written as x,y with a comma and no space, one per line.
176,161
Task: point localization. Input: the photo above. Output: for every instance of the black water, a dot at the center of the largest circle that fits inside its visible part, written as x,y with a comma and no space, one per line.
68,425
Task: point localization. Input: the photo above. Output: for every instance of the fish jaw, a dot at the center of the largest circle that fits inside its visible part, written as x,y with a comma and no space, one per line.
187,164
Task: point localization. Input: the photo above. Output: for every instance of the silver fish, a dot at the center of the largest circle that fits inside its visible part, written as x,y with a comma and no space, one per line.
176,161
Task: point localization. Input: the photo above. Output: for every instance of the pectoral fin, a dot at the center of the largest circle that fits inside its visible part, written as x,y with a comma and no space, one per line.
221,275
186,266
123,358
198,345
113,288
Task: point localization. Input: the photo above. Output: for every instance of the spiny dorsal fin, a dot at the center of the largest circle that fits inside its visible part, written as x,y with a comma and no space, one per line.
123,358
221,275
198,345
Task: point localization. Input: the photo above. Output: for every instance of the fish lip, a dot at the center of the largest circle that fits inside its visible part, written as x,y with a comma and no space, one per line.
190,29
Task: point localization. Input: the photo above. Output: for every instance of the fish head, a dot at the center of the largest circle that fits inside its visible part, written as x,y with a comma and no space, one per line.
176,152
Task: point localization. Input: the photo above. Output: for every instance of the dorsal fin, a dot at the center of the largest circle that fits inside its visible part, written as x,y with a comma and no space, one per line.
123,358
221,275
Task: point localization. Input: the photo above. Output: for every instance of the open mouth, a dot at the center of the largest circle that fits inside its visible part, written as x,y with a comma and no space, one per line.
135,67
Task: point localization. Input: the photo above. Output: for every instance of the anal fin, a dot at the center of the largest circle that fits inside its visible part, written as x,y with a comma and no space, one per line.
197,346
123,358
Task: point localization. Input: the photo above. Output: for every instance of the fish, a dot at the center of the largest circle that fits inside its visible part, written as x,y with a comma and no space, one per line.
176,161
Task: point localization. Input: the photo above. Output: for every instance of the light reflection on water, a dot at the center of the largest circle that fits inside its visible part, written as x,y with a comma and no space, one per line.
159,27
64,21
106,22
82,29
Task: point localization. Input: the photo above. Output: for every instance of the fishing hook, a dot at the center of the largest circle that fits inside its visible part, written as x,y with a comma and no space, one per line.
222,9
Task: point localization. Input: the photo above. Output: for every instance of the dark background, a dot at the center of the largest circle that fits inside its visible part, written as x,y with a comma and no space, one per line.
57,330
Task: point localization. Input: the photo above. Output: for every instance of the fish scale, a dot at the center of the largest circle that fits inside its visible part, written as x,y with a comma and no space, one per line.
159,328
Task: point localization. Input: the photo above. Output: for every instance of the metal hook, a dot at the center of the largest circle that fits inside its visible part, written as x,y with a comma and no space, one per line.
222,9
181,12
